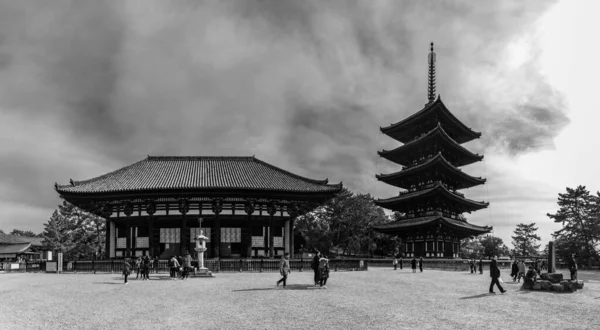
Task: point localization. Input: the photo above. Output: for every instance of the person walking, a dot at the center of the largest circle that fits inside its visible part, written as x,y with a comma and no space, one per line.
284,269
126,269
413,264
323,271
174,265
395,263
521,271
314,264
145,267
421,264
155,264
495,274
472,265
187,265
514,270
573,267
480,265
138,264
401,262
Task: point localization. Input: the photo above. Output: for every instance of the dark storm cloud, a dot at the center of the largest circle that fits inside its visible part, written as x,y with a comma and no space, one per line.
304,85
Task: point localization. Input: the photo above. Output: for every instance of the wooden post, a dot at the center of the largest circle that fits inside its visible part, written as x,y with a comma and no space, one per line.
217,208
249,209
271,210
184,237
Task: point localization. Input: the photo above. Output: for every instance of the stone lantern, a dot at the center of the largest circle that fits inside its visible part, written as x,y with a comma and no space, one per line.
200,249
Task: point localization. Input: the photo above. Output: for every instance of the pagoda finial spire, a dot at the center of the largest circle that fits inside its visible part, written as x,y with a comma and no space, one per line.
431,87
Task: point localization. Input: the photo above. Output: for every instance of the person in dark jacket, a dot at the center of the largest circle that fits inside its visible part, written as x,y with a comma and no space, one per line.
187,265
573,267
126,269
514,271
421,264
314,264
480,265
413,264
495,274
472,266
145,267
400,261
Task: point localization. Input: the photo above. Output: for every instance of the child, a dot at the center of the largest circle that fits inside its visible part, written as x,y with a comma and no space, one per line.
323,271
126,269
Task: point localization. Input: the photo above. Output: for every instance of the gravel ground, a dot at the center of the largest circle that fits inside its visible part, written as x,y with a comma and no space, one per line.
377,299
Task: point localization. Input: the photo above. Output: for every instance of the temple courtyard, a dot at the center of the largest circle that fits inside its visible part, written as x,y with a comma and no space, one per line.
375,299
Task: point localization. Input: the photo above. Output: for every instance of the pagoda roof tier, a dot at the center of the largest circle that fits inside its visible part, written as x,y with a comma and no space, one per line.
200,176
436,191
438,166
409,152
406,226
405,130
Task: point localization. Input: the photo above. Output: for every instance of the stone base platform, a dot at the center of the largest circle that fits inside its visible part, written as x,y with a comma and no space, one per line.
202,273
563,286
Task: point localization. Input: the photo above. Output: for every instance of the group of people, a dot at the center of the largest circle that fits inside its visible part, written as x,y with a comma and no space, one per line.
179,266
473,265
413,263
319,264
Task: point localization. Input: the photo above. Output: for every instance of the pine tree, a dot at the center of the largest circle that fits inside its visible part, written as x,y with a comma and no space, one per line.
76,233
525,239
579,214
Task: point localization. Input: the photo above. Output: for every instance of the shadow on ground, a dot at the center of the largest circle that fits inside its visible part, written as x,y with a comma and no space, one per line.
479,296
288,287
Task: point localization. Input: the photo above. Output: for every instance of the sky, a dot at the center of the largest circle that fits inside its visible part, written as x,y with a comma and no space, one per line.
90,86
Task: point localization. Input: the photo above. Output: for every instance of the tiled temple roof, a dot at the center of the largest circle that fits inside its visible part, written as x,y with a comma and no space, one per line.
403,152
435,190
397,130
407,224
11,239
190,173
467,180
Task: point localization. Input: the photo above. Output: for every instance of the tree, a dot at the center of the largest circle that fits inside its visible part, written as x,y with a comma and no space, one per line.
525,239
25,233
471,248
579,214
76,233
344,223
493,246
1,231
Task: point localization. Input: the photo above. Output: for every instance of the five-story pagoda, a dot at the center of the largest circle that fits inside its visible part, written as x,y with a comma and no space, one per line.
431,155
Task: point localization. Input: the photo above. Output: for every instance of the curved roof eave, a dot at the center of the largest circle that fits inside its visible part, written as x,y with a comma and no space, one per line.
437,130
429,106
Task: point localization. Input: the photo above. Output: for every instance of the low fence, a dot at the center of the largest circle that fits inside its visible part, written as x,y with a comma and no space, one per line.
214,265
250,265
448,264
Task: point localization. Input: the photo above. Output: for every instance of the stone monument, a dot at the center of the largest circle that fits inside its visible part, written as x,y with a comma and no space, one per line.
551,257
200,249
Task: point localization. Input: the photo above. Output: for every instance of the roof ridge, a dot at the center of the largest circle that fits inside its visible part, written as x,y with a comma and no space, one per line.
321,182
153,158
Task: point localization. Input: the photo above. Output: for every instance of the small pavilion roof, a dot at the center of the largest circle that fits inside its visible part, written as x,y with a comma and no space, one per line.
203,173
404,129
437,189
399,179
11,239
405,225
404,153
14,248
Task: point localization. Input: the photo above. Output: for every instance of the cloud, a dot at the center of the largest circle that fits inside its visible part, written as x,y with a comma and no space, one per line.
304,85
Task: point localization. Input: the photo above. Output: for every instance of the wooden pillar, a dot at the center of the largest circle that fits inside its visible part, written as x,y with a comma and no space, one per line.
128,210
217,208
184,235
249,208
271,210
151,209
291,240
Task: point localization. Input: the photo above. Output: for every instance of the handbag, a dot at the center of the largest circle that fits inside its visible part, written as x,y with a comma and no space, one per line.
500,280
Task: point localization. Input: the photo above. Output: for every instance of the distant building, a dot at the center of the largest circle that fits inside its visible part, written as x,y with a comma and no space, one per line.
431,155
13,247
